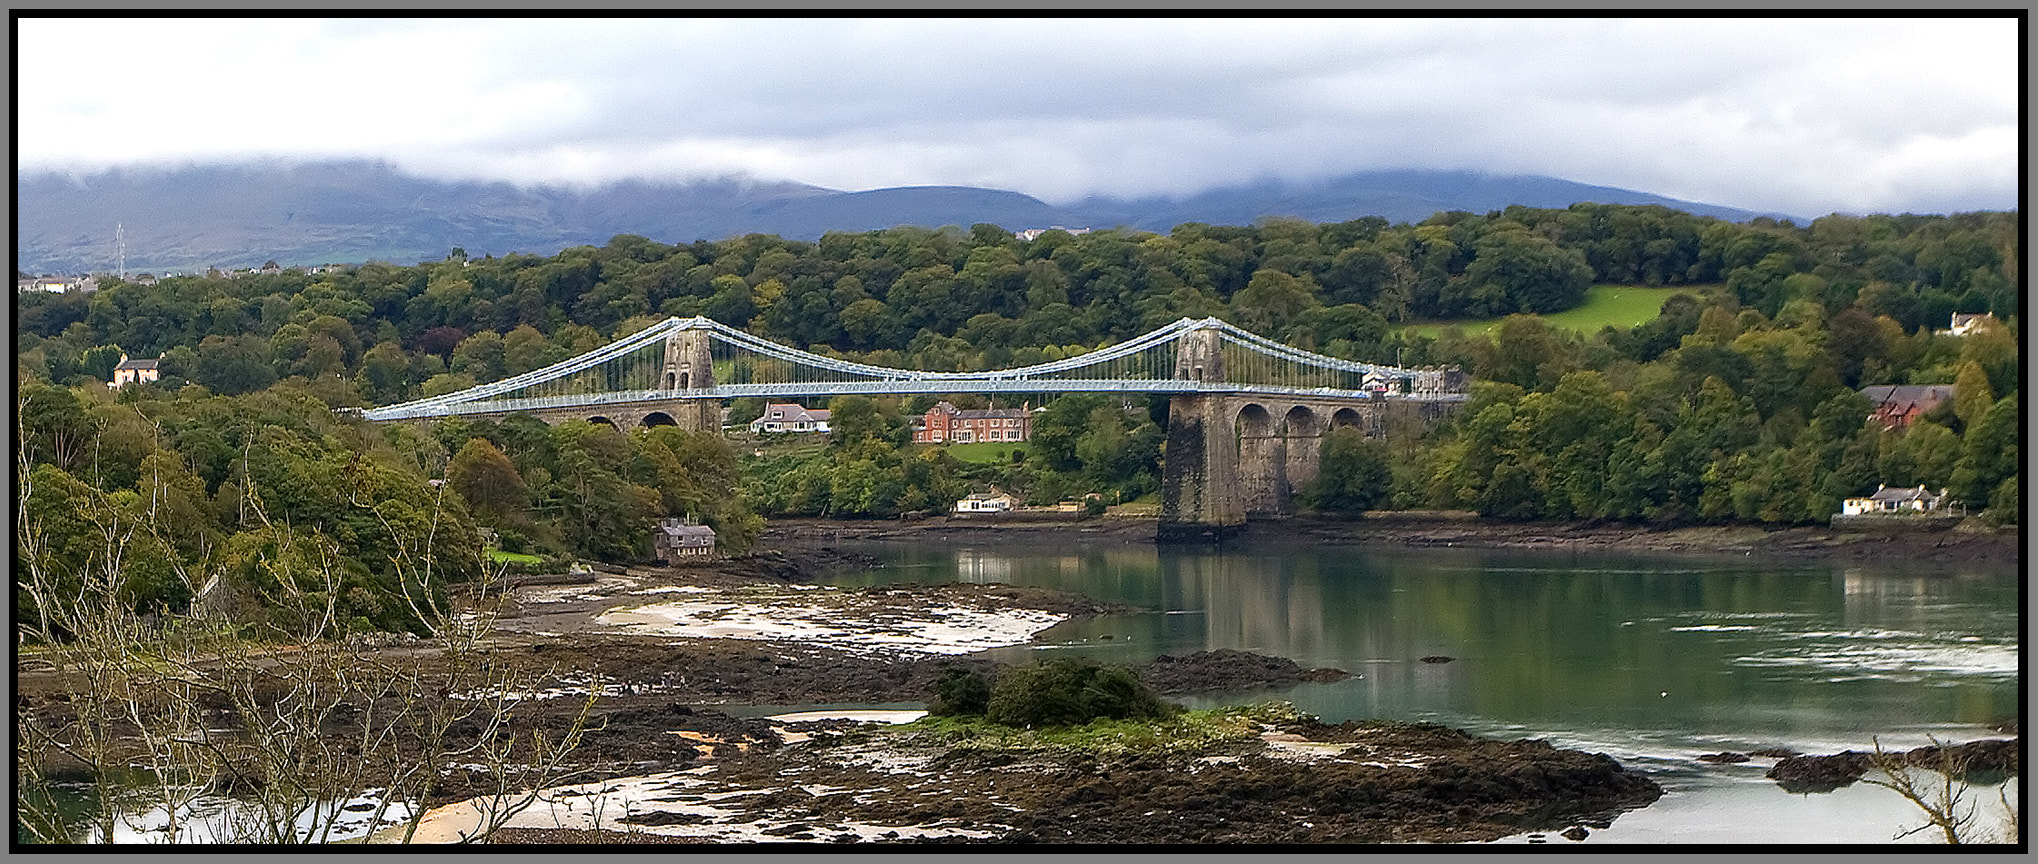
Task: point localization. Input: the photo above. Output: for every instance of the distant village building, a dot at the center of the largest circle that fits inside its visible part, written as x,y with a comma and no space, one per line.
1031,234
1964,324
1434,381
791,417
1888,502
57,284
985,502
1898,405
134,372
676,539
944,423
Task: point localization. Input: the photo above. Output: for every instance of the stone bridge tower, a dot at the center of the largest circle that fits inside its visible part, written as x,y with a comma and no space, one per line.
1199,479
689,367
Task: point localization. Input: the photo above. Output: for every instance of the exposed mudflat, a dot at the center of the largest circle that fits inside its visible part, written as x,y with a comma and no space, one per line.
1300,782
1971,541
672,657
675,658
679,768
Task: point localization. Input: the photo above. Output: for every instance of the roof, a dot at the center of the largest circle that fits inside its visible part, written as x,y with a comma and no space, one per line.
135,364
687,530
794,412
985,496
1917,494
977,413
1920,393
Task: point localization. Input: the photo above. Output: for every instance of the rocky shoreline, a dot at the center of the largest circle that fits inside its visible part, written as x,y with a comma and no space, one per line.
679,661
1969,542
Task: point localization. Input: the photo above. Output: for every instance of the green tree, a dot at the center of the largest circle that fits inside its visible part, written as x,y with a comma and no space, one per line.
1989,453
1534,274
1353,474
1273,300
1118,447
857,422
230,365
98,361
1972,396
525,349
479,357
55,427
1526,352
1057,430
488,481
1994,348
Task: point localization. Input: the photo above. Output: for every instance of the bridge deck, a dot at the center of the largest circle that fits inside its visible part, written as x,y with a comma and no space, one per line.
903,387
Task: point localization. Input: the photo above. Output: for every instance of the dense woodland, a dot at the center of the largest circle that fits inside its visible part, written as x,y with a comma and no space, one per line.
1736,404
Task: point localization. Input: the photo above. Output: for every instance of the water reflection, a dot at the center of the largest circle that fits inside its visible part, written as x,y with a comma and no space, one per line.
1679,649
1652,661
980,568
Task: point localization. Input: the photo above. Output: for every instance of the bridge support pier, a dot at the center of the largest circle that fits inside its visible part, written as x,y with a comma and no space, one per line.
1231,457
1200,498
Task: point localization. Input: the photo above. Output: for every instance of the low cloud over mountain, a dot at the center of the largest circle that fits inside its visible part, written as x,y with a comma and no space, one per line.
188,219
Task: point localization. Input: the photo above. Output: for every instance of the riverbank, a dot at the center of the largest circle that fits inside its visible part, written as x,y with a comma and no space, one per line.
1970,542
678,672
687,674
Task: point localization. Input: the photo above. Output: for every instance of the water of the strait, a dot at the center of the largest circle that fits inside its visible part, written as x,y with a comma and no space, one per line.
1651,660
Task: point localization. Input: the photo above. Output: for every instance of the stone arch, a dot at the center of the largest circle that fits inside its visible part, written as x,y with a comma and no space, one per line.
1301,421
671,381
659,418
1254,419
1262,458
684,384
600,419
1347,417
1302,429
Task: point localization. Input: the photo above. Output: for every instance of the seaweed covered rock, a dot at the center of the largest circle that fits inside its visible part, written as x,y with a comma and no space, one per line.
1229,670
1069,691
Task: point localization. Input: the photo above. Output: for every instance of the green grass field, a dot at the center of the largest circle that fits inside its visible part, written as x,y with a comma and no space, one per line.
501,557
1618,305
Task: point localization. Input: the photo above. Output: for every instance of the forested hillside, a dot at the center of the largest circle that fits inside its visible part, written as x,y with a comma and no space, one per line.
1736,404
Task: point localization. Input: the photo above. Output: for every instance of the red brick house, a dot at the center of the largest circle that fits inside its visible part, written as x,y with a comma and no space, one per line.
945,423
1897,405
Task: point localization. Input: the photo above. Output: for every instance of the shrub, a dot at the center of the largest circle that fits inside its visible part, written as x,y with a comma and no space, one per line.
1067,691
960,691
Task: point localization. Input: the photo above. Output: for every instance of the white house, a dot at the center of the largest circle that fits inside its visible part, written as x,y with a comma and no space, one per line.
1887,501
134,372
57,284
1031,234
1965,324
790,417
985,502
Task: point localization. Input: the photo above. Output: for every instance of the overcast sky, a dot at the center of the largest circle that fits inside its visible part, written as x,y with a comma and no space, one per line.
1796,116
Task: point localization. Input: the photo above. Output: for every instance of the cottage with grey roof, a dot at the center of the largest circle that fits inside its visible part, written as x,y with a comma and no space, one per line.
677,539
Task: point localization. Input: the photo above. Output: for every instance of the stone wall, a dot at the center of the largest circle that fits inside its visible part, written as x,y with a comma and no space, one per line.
1231,457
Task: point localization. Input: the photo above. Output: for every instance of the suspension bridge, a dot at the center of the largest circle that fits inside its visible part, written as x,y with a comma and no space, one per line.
1246,413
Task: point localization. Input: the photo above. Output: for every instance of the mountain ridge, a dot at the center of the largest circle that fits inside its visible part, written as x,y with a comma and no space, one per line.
228,216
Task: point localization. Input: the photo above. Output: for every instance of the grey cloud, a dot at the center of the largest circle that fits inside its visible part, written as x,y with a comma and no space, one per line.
1765,114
